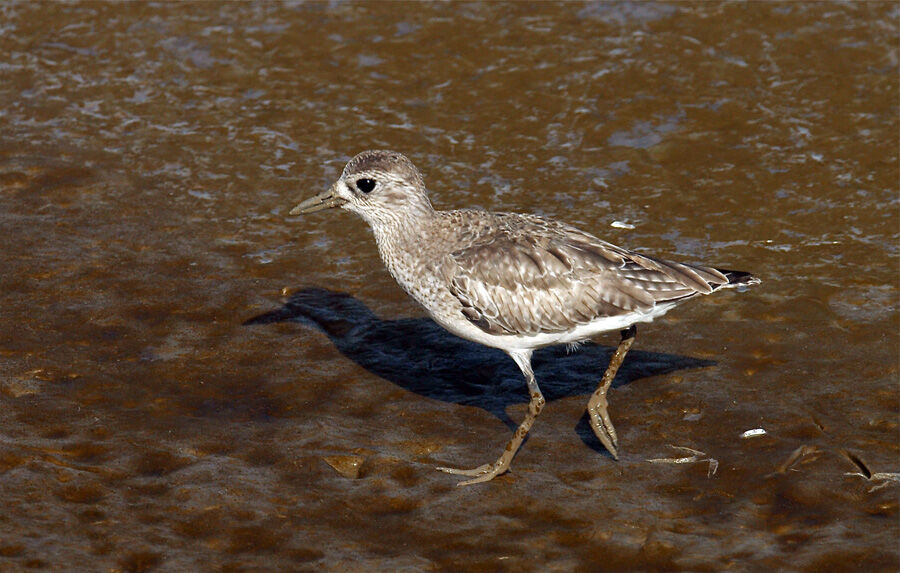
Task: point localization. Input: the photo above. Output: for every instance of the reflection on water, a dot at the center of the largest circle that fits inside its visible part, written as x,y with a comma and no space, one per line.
149,154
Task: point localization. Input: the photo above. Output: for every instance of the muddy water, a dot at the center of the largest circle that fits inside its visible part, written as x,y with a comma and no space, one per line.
192,380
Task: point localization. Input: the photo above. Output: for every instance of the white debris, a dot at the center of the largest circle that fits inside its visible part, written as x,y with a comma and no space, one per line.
754,432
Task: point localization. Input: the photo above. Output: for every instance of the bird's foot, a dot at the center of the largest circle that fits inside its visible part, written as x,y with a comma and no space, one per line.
603,426
480,474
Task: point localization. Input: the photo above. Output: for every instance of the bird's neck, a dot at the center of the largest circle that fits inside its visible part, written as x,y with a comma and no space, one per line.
403,229
404,244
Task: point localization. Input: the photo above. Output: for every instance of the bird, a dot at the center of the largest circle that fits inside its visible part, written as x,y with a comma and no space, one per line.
517,282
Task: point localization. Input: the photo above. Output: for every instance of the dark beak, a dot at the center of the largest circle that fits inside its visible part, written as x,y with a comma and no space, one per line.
324,200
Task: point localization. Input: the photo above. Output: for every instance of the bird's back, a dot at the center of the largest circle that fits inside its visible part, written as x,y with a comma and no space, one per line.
525,274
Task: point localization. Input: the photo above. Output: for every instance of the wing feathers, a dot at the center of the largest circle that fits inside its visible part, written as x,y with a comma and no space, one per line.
528,275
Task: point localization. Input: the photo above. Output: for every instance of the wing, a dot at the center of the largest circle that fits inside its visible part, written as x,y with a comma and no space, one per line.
528,275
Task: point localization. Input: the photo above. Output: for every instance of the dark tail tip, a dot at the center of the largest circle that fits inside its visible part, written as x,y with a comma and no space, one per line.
739,278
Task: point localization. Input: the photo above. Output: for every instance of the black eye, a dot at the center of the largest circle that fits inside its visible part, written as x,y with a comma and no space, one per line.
365,185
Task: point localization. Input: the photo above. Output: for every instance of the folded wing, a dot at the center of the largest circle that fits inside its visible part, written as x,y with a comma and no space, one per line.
529,275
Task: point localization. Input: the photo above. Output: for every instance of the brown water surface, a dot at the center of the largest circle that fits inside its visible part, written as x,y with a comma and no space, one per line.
192,380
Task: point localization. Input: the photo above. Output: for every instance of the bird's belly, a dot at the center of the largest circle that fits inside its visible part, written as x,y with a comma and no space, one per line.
458,325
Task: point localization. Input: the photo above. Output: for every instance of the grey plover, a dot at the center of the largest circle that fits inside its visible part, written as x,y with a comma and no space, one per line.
510,281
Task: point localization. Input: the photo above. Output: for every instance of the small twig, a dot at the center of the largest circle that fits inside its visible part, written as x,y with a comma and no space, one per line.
697,456
795,457
886,478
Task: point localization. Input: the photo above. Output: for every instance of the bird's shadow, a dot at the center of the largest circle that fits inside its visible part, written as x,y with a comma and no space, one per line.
419,355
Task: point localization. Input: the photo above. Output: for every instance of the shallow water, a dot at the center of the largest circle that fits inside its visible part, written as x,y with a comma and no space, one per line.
192,380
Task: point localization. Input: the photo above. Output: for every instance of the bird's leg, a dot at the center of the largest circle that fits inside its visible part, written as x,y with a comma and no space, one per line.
535,405
597,405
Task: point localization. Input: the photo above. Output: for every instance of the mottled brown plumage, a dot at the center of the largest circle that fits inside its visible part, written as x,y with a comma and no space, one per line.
511,281
549,277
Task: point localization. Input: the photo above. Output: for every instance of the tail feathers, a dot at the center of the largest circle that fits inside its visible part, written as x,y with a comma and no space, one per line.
737,279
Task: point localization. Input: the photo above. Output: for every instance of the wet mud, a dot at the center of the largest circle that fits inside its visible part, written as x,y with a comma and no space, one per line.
192,380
